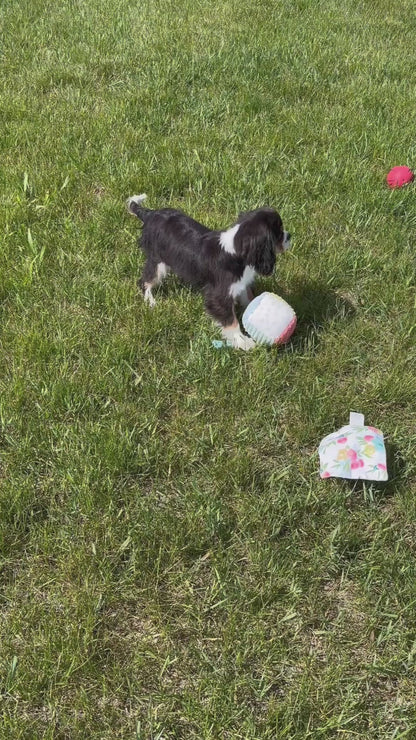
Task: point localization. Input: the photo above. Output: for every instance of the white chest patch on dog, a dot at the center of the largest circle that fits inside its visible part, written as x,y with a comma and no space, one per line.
227,239
246,279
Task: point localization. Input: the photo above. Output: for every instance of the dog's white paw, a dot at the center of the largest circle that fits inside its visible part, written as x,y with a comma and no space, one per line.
149,298
245,343
238,340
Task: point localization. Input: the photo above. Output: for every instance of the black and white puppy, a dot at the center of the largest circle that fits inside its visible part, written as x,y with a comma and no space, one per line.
222,264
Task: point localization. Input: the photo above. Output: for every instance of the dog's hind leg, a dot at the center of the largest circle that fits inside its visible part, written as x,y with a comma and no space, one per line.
153,274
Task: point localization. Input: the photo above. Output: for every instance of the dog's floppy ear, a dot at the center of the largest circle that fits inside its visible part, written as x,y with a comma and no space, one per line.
256,244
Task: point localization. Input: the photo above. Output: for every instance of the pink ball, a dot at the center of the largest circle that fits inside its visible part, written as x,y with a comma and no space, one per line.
399,176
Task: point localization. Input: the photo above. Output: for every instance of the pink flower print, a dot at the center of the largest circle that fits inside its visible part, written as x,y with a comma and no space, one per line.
352,454
326,475
381,466
368,437
357,464
375,430
341,440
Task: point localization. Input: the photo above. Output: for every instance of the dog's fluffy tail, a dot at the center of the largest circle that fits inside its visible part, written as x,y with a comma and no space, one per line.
134,206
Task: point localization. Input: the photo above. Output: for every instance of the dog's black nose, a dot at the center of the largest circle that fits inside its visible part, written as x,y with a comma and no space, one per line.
289,236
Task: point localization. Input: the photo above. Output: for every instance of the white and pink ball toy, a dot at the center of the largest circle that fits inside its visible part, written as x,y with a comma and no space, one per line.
268,319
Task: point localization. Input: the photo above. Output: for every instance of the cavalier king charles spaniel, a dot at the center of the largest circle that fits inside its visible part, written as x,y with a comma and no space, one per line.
222,264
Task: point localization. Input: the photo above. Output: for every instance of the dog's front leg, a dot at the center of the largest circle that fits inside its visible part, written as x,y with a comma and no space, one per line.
236,338
221,309
245,297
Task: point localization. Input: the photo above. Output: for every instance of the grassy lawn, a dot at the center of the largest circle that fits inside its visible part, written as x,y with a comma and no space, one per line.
172,567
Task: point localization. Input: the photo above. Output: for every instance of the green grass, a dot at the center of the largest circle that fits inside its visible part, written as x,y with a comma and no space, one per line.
171,564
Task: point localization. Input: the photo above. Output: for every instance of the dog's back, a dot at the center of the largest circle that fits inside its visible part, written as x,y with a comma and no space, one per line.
173,238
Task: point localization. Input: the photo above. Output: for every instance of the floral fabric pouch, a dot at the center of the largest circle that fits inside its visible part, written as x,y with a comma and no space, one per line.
356,451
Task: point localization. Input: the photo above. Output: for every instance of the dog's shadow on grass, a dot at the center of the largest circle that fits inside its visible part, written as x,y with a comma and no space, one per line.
316,305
